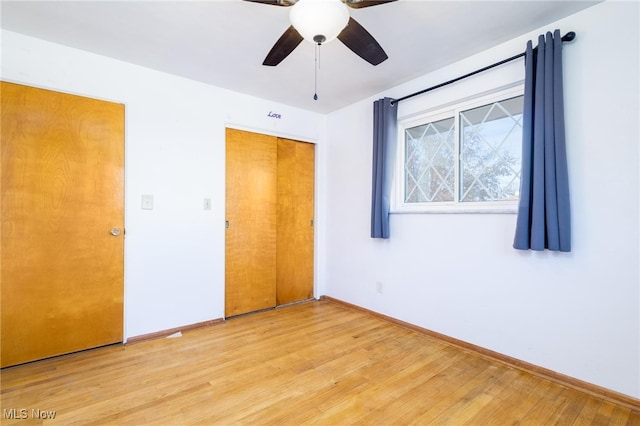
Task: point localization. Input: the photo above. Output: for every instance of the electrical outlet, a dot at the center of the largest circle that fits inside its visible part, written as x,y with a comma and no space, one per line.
379,287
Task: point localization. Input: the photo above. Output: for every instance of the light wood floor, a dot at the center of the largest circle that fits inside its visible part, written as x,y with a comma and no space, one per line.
312,363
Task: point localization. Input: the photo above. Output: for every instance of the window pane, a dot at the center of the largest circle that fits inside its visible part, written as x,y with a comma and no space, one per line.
490,151
428,162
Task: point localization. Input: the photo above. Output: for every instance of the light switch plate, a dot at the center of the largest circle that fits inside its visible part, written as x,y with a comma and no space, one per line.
147,202
207,203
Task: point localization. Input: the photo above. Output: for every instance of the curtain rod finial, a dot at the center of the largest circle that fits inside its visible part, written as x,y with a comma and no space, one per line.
569,36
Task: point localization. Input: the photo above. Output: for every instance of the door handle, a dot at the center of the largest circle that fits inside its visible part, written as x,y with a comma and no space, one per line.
115,232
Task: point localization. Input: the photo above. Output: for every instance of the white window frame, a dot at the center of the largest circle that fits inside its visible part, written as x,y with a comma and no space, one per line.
398,205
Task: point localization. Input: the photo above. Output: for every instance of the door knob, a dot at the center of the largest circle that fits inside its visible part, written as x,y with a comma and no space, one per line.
115,231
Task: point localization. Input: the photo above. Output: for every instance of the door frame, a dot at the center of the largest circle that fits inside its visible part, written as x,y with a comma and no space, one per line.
317,223
125,106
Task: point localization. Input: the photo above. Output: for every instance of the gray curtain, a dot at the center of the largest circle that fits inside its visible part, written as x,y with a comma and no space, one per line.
385,117
544,220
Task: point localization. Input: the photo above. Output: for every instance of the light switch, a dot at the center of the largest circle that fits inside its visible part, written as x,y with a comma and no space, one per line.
207,203
147,202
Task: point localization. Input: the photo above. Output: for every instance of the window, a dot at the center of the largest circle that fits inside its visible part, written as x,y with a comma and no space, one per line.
463,158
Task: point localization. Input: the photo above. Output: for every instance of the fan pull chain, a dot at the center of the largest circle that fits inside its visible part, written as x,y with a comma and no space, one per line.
315,74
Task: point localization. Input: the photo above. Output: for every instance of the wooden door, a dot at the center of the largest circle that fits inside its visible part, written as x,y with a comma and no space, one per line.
295,265
250,243
62,194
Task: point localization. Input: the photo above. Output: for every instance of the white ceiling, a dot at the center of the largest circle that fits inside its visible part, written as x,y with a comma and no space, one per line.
223,43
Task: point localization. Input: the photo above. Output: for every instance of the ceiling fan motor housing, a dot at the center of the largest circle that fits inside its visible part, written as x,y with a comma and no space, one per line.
319,21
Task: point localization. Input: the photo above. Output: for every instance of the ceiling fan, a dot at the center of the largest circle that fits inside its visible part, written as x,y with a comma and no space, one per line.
321,21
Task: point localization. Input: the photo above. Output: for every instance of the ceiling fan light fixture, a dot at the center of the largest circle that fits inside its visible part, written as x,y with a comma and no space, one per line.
319,21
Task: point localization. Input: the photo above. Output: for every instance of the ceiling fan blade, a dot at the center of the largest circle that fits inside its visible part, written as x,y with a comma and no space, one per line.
359,4
283,47
356,38
284,3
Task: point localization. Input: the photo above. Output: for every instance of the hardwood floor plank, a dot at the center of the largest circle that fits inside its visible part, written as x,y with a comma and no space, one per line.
571,411
314,363
587,413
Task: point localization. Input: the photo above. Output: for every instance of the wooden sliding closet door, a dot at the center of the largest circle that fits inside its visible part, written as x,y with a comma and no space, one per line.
251,193
62,216
296,165
269,238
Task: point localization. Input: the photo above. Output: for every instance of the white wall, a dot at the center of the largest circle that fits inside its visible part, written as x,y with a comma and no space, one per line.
577,313
174,150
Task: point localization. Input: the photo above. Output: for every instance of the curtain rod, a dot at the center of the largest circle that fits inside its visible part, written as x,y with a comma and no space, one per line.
567,37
